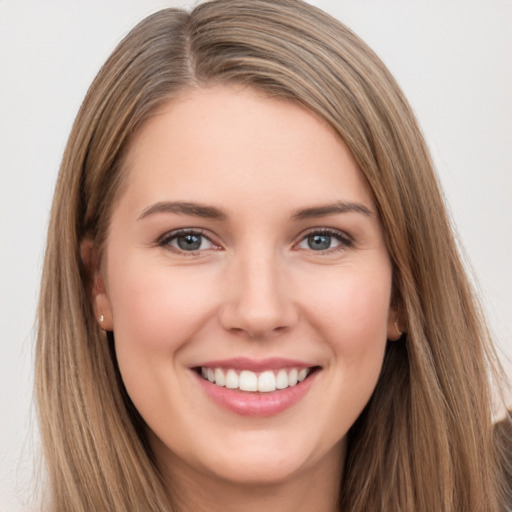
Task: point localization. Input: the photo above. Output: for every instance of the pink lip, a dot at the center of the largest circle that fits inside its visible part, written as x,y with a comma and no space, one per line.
254,403
255,365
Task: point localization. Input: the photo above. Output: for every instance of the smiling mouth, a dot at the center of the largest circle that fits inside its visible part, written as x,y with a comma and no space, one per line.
247,380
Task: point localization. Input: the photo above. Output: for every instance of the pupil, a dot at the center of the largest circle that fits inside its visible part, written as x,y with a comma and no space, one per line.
189,242
319,242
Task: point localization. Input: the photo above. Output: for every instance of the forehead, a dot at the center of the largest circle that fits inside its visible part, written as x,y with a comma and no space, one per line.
226,142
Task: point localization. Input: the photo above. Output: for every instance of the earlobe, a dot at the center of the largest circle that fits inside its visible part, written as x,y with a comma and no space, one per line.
395,330
96,284
102,307
103,311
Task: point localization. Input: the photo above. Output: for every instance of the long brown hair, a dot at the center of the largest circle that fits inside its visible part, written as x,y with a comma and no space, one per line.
424,441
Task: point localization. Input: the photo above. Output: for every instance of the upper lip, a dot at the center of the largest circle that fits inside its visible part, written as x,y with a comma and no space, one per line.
255,365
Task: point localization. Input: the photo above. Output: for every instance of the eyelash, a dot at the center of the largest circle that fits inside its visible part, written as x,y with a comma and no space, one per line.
344,240
165,240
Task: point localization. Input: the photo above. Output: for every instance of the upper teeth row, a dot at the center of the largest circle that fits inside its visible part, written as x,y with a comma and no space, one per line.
246,380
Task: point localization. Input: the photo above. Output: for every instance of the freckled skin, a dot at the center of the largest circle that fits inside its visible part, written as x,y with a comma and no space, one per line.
254,289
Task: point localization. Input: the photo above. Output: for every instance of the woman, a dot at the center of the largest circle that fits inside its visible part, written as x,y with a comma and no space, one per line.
251,295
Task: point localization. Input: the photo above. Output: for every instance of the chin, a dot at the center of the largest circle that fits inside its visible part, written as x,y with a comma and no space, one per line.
260,471
273,462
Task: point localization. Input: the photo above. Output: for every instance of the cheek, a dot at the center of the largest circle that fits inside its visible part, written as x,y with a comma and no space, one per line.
352,312
157,311
156,307
354,326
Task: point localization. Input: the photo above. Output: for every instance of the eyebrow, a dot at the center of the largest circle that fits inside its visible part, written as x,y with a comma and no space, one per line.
211,212
184,208
331,209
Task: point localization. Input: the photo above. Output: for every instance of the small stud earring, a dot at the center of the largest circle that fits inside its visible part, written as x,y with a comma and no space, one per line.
102,319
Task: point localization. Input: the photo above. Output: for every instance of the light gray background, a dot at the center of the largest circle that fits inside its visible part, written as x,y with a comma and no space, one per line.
453,58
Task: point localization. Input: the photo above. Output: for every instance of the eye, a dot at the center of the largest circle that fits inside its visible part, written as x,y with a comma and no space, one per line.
324,240
187,241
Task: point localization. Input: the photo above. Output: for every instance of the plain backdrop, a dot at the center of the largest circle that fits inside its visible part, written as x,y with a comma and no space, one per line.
453,58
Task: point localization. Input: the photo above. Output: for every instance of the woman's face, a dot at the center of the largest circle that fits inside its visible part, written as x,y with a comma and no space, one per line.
245,249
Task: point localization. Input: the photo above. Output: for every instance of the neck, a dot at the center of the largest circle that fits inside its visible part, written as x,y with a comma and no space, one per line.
316,488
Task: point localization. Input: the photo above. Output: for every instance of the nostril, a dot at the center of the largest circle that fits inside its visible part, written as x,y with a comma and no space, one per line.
257,324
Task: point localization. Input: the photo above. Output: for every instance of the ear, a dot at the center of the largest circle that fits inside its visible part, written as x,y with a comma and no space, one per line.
395,329
96,284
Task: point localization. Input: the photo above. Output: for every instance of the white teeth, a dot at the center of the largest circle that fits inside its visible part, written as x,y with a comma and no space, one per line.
220,380
282,379
246,380
267,381
231,379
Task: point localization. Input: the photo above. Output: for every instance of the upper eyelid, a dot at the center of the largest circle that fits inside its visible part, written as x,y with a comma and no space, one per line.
331,231
169,235
183,231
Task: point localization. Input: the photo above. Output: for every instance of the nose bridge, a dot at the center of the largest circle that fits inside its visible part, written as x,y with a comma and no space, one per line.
259,301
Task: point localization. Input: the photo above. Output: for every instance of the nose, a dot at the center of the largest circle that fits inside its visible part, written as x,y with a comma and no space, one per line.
259,298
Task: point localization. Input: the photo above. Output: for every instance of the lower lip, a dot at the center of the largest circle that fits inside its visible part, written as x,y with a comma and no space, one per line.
257,404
